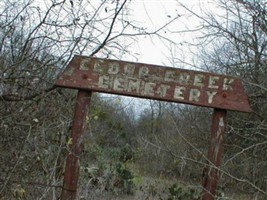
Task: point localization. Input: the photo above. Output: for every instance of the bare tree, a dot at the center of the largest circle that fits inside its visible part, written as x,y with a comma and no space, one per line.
37,40
231,39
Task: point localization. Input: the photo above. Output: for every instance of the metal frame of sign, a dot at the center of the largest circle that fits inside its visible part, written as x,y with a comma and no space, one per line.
90,74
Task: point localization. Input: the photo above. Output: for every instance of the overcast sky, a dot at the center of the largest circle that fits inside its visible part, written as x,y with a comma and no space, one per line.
155,13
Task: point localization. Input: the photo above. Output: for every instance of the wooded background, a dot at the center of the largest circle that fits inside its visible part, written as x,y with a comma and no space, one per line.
158,153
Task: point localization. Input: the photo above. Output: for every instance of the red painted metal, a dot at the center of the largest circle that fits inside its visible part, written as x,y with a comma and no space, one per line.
155,82
152,82
71,175
211,173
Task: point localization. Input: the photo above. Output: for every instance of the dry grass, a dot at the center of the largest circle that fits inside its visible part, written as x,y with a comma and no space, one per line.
154,188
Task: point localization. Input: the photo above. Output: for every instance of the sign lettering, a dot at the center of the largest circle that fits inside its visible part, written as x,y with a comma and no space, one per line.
155,82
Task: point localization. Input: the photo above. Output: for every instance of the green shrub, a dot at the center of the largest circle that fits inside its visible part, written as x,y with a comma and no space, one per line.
178,193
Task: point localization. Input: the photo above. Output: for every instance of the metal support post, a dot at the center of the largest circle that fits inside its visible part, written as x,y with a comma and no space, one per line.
71,175
211,173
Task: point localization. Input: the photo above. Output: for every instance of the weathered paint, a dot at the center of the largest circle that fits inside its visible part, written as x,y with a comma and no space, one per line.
211,173
71,175
155,82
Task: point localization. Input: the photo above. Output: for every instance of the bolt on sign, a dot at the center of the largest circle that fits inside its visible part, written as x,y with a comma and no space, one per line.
89,74
155,82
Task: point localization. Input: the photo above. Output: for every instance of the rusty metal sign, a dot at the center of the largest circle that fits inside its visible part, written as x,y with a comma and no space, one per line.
155,82
152,82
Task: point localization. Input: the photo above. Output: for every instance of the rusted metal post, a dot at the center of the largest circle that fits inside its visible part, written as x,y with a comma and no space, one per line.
211,173
153,82
71,175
